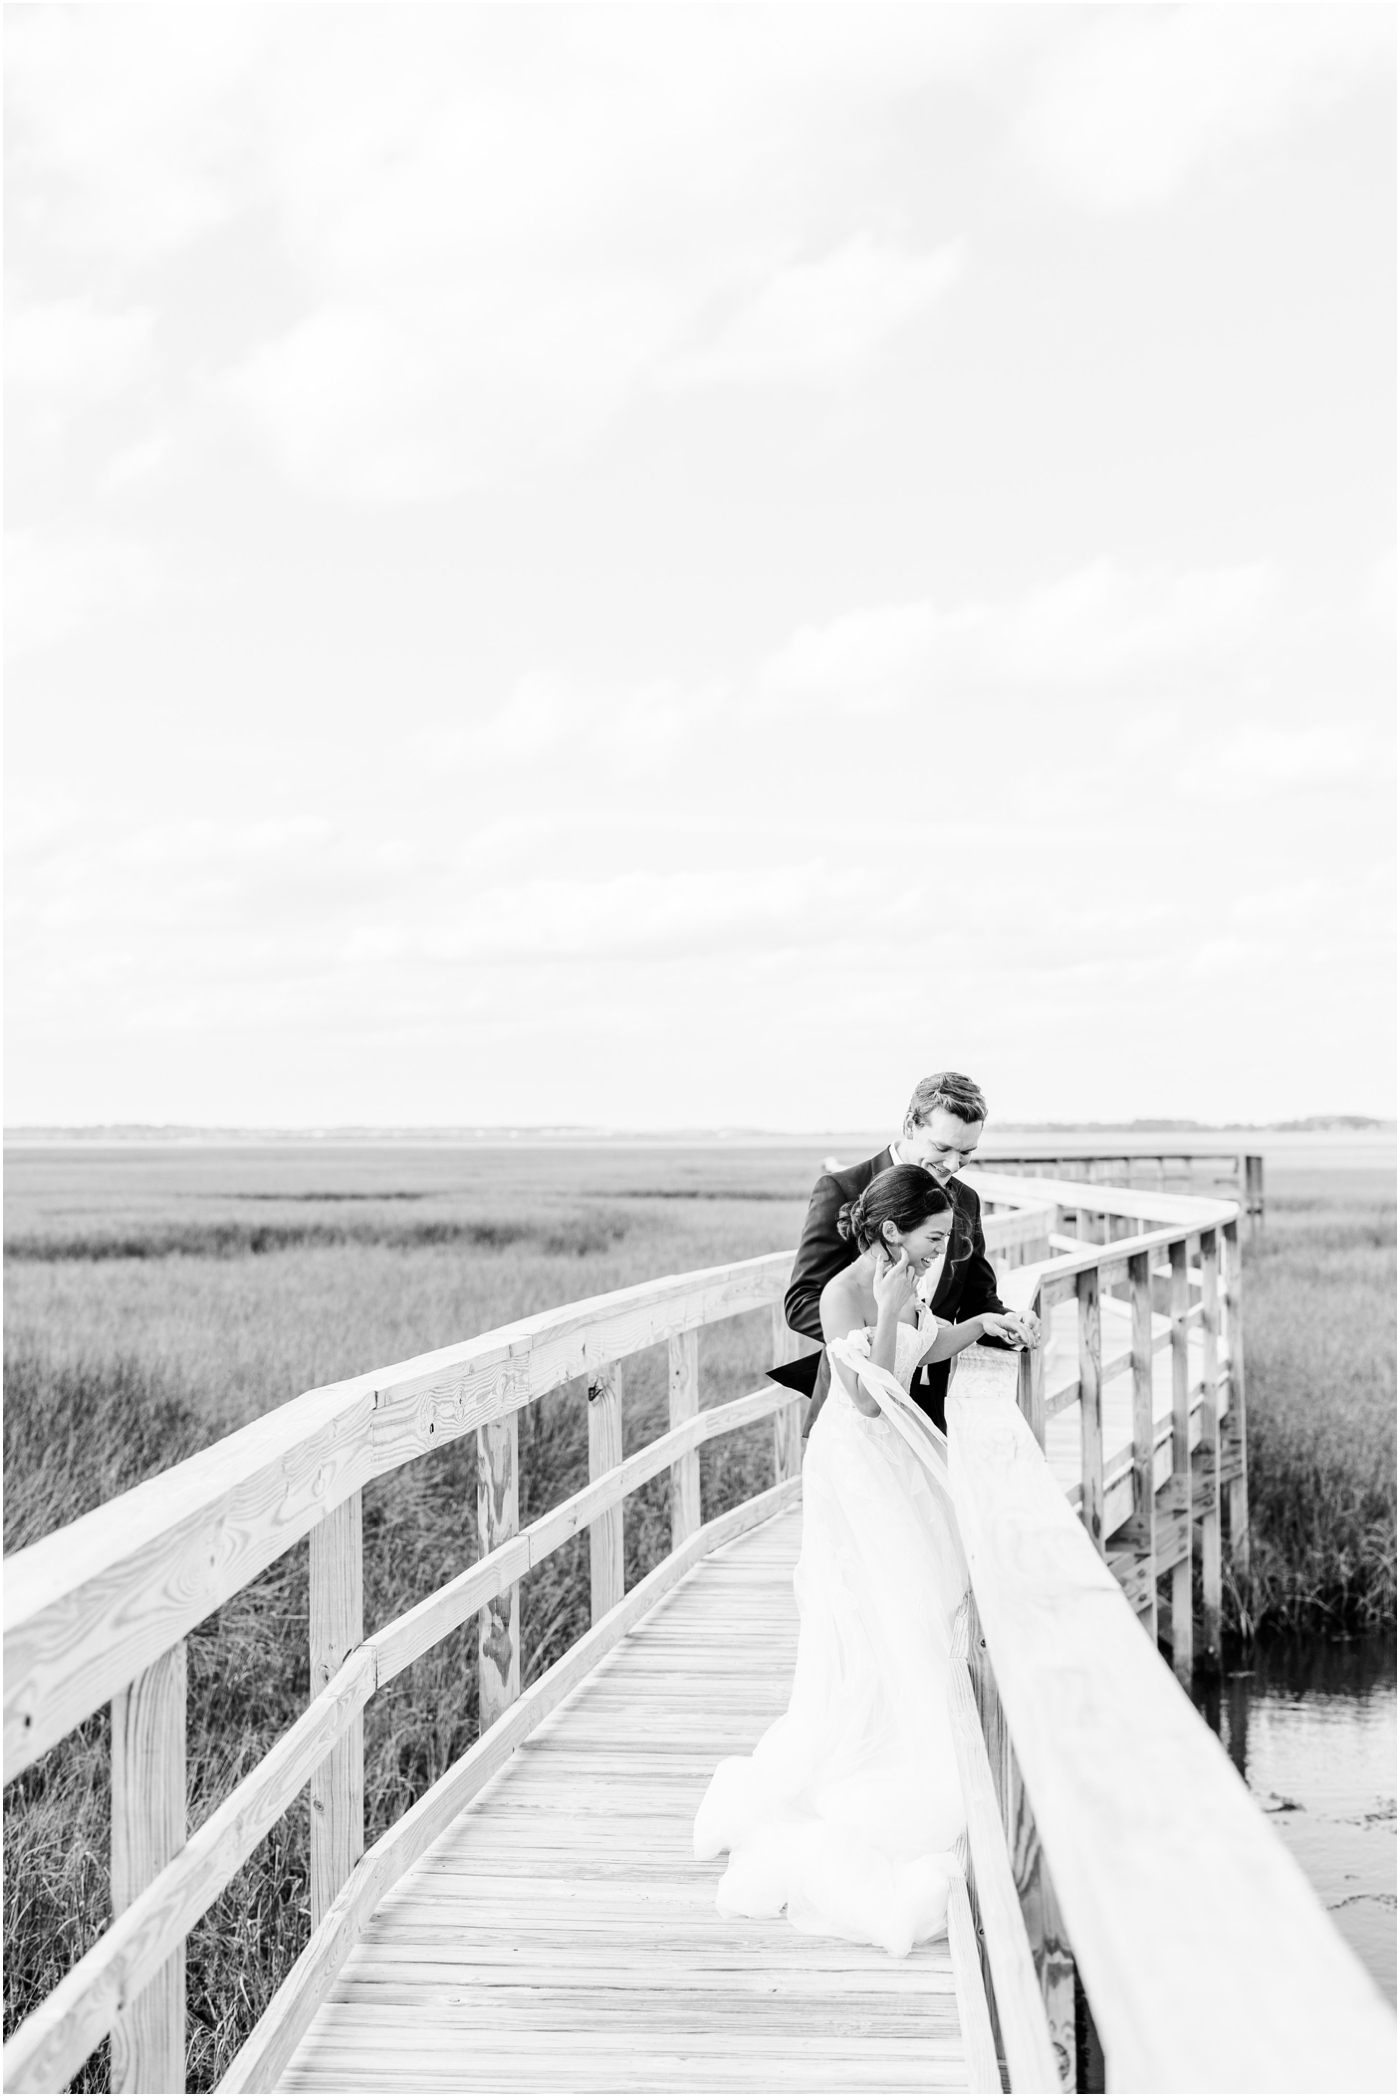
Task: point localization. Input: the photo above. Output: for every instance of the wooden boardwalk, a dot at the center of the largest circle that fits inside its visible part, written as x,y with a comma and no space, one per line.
561,1936
1063,1445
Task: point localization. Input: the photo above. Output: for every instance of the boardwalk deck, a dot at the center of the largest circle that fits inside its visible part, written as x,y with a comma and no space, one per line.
560,1935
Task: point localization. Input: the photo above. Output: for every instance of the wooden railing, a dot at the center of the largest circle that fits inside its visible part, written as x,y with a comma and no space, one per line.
1175,1165
100,1612
1152,1506
1120,1855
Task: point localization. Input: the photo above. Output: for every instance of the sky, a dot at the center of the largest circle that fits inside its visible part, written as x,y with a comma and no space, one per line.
686,566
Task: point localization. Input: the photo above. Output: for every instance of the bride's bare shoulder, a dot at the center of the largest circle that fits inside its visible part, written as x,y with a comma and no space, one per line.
842,1304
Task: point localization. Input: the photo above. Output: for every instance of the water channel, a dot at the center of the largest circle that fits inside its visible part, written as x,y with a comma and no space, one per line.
1311,1726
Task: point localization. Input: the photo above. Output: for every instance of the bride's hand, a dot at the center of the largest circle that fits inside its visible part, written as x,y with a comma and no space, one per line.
894,1283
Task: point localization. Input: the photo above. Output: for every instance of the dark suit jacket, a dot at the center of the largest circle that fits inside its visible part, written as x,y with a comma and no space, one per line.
966,1286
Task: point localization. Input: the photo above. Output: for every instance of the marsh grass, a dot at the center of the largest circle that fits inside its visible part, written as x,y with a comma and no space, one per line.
1319,1327
120,1362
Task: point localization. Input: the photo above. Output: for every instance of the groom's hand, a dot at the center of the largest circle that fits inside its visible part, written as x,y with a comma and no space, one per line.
1011,1327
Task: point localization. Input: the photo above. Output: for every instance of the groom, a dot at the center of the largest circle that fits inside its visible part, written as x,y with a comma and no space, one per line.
941,1132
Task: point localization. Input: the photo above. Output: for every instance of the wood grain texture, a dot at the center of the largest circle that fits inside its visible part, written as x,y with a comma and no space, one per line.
683,1402
1234,1441
399,1643
148,1829
605,1555
85,1610
974,2017
1030,1872
1182,1628
497,1521
1205,1460
787,1421
1090,1408
57,2037
1020,2009
1139,1809
337,1625
271,2046
559,1937
1139,1534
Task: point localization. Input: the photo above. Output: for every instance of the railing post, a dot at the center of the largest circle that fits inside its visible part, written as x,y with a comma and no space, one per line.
1090,1406
1206,1495
1045,1930
148,1827
1030,1381
1181,1461
1234,1446
337,1626
497,1520
605,1454
684,1388
1140,1533
1253,1203
787,1422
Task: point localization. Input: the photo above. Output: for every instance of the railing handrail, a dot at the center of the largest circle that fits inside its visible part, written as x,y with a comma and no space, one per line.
102,1604
1100,1199
87,1608
1205,1988
62,2031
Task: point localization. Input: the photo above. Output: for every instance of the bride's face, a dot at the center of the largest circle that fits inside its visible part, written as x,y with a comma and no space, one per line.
926,1244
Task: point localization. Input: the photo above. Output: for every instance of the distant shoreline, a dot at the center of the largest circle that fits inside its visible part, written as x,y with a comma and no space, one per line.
1175,1138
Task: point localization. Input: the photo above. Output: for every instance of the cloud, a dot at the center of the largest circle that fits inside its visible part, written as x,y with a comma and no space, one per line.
55,582
1264,760
1148,97
1091,628
820,319
465,244
70,355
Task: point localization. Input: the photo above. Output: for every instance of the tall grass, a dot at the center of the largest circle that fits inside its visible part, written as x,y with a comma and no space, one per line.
122,1361
1319,1327
85,1420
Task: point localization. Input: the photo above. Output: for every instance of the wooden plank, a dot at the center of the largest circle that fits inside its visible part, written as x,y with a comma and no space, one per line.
1020,2011
787,1423
1090,1407
86,1609
1205,1462
1140,1538
414,1633
497,1521
1050,1952
337,1625
683,1385
1030,1395
1140,1809
1234,1449
269,2048
148,1829
1181,1625
604,1455
57,2037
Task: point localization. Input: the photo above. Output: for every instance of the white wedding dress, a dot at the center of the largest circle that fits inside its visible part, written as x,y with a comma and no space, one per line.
848,1810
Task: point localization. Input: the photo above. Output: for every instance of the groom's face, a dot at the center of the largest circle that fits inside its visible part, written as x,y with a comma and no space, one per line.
942,1143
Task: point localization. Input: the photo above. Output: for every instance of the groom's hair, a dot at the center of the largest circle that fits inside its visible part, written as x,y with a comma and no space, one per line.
946,1088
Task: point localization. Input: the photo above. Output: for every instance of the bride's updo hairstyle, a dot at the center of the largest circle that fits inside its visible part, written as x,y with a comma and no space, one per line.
905,1196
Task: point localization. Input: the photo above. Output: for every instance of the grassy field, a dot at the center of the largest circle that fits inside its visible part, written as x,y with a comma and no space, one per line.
158,1299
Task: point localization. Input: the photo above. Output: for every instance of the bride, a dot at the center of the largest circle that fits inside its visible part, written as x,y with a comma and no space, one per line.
847,1810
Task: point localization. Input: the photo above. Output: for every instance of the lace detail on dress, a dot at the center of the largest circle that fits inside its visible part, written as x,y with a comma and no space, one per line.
911,1344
